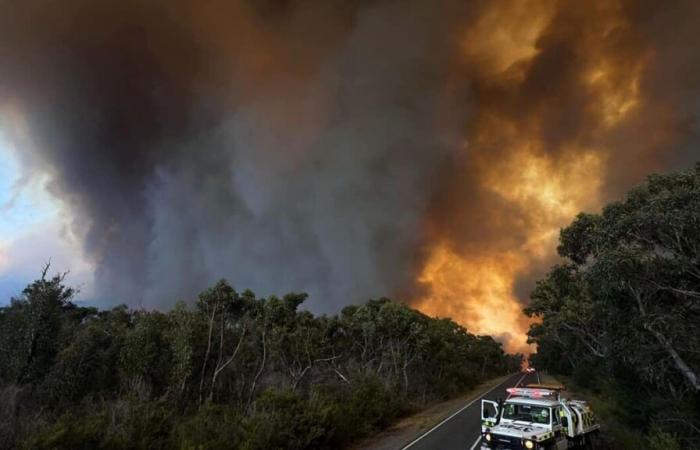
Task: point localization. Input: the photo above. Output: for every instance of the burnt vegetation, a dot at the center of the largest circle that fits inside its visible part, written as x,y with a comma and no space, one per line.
231,371
621,315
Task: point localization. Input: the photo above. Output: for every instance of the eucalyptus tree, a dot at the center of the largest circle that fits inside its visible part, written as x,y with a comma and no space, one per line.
625,306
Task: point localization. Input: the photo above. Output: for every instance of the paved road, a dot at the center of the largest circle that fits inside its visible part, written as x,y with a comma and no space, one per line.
463,429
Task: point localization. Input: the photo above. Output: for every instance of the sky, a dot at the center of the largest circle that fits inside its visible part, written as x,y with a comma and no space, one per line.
348,149
33,231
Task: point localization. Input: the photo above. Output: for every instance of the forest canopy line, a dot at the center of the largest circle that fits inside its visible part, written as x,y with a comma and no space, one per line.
622,313
234,371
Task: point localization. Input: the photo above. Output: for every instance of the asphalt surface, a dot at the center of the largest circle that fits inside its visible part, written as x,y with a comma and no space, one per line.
462,430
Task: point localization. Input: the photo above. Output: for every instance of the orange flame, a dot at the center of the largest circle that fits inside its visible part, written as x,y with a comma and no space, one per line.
477,291
542,185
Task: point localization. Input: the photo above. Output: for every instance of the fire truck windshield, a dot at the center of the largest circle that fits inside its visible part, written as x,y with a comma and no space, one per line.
528,413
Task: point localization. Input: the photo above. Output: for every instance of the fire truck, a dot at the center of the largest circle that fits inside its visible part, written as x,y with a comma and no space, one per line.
537,417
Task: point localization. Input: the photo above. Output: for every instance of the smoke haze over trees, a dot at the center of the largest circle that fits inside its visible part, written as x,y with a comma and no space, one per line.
268,143
349,149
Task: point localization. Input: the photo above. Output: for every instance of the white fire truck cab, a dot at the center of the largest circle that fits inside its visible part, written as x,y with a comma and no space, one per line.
536,417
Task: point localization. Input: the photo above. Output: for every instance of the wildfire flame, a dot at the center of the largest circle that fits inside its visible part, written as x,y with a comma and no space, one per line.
544,183
381,148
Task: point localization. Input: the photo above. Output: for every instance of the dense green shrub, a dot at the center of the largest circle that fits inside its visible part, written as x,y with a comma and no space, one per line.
211,427
236,371
285,420
71,432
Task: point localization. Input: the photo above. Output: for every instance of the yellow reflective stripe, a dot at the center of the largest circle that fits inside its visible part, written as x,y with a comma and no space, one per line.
544,436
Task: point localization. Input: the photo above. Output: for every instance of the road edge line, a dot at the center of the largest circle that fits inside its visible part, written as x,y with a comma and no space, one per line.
478,439
412,443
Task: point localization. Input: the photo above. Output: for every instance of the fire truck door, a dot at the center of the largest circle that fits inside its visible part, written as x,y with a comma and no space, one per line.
489,414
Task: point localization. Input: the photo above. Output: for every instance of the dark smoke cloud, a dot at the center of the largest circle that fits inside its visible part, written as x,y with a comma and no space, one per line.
282,145
320,146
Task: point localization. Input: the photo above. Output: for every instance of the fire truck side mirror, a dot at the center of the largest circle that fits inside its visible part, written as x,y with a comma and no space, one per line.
565,422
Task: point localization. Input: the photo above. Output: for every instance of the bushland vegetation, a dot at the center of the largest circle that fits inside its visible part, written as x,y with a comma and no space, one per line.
232,370
621,315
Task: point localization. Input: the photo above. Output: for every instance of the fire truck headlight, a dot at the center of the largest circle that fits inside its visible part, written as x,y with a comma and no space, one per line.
488,437
529,444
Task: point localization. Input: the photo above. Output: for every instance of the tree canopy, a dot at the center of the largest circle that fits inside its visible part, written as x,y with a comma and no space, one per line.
230,371
625,304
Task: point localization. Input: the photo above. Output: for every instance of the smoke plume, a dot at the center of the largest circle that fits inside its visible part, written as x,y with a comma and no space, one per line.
349,149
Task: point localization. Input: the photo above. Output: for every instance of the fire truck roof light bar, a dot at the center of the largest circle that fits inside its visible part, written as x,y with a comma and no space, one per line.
544,394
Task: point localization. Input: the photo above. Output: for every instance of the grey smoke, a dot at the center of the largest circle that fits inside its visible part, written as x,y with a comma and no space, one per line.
312,145
177,174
